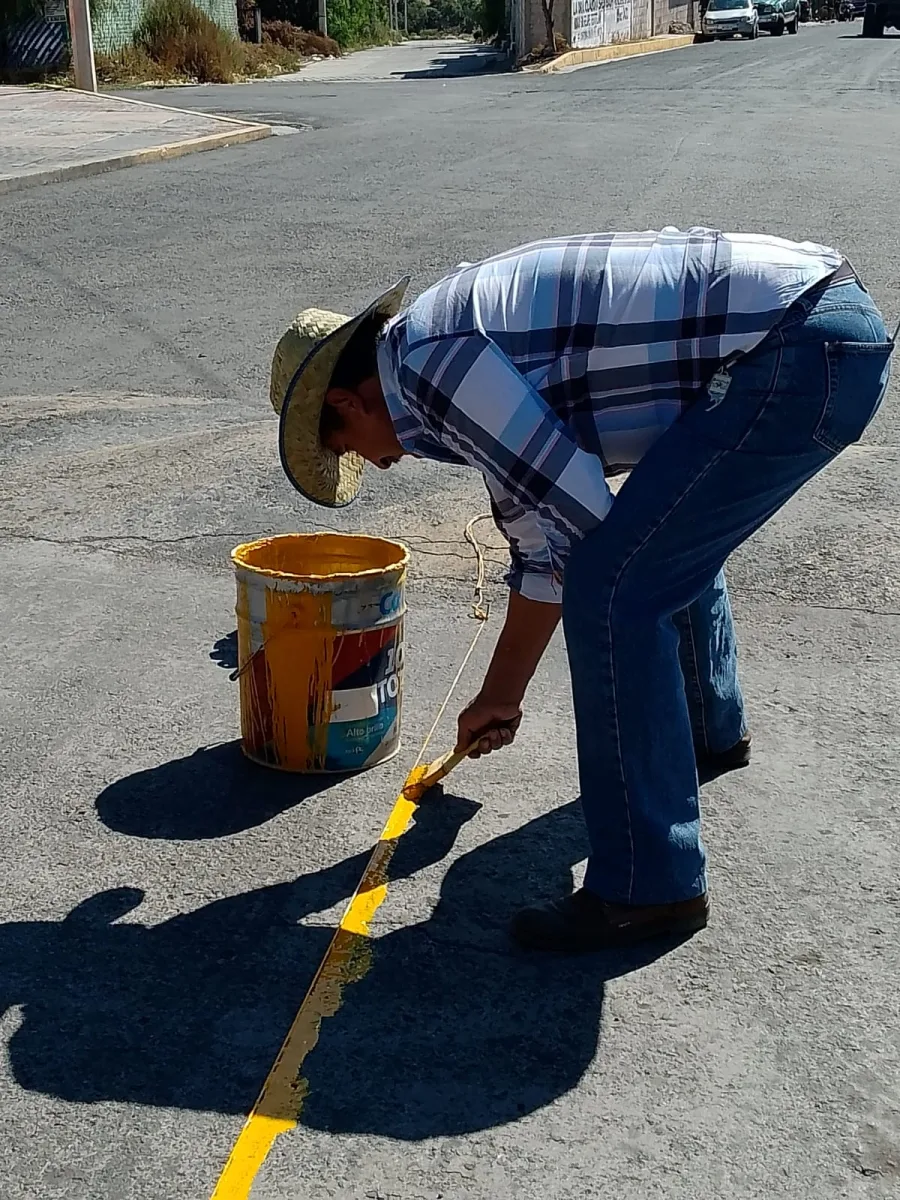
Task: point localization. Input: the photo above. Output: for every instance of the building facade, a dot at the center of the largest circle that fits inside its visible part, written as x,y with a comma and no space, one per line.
587,23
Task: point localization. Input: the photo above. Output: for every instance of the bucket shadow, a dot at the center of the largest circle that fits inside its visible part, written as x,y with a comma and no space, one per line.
211,793
225,651
450,1031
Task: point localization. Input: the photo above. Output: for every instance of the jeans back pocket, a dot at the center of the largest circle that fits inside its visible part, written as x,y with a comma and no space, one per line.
858,375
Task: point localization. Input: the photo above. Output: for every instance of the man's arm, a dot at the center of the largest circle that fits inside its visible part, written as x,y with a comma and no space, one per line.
529,625
532,614
473,400
497,709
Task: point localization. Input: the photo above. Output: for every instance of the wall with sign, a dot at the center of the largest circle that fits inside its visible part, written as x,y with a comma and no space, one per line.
642,17
599,22
586,23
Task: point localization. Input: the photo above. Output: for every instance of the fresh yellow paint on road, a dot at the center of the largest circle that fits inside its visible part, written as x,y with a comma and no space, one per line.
347,960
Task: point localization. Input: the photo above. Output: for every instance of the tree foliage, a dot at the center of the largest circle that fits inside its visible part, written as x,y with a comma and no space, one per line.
443,16
492,18
358,22
14,12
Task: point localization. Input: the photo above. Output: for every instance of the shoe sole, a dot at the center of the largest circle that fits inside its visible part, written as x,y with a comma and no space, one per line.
684,927
729,760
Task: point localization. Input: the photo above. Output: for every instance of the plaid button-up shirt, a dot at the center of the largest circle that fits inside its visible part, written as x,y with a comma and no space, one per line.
555,364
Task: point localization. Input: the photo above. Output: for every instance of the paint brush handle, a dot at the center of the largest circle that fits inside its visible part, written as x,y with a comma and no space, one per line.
439,769
442,766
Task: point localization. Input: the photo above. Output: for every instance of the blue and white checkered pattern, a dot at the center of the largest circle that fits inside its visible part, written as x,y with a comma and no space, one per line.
555,364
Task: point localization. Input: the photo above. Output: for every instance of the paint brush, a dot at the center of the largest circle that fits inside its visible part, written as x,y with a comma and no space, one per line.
434,773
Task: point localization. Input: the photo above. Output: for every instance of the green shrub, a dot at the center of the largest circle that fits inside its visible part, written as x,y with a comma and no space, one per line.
185,41
165,20
129,65
439,17
358,22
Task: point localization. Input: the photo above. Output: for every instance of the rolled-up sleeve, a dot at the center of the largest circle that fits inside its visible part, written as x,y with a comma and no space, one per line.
546,492
531,572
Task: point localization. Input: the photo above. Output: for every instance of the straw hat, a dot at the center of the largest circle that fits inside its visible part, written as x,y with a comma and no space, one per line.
302,367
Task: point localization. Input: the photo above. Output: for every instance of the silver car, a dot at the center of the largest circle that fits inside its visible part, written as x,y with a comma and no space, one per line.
728,18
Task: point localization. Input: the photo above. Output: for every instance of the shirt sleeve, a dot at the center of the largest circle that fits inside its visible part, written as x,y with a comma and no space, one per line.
531,570
547,492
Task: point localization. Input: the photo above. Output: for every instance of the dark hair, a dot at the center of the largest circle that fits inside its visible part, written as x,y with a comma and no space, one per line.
359,358
357,363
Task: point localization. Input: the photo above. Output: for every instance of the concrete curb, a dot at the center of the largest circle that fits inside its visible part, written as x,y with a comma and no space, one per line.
237,133
599,54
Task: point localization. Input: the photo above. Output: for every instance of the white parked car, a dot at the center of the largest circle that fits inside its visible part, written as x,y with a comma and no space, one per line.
728,18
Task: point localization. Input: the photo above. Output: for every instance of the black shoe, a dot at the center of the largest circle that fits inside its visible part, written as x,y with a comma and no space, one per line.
582,922
735,756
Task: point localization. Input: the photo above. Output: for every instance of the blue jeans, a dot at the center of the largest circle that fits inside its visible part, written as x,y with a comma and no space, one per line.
646,615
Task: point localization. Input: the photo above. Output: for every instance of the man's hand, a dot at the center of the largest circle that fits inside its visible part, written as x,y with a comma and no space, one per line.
497,722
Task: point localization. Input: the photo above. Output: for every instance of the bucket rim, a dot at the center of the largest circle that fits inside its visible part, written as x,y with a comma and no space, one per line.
239,561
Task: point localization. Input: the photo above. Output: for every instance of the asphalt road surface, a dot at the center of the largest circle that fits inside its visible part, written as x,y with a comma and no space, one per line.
165,905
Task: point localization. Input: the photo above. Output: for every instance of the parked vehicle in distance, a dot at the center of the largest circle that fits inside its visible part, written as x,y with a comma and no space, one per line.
805,10
859,8
776,16
880,15
728,18
845,11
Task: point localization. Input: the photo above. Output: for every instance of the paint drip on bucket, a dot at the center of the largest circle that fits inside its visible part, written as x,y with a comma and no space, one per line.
320,644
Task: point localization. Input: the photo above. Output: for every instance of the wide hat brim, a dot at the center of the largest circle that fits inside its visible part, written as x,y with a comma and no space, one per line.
315,471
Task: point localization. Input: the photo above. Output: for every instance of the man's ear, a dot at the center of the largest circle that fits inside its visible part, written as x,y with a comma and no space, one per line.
344,401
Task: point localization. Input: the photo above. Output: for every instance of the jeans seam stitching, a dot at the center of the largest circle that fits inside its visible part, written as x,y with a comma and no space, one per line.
697,689
779,351
612,664
662,520
818,435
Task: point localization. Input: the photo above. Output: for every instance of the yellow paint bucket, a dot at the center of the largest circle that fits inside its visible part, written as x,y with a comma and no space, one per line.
320,649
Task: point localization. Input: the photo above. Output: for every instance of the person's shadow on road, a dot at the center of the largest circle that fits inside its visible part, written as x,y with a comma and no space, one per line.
451,1031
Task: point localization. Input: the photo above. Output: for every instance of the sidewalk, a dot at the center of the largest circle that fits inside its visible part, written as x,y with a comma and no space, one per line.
438,58
52,134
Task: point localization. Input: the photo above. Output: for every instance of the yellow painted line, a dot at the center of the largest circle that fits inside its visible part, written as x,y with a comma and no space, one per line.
346,961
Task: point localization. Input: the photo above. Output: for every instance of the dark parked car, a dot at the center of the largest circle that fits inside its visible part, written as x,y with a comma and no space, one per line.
880,16
776,16
805,10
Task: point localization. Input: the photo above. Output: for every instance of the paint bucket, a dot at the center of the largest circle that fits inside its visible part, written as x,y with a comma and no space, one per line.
320,649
